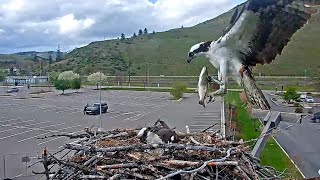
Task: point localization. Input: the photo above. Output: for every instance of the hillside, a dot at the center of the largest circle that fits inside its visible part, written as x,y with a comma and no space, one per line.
165,52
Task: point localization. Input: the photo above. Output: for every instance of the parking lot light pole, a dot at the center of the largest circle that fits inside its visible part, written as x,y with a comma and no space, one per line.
100,103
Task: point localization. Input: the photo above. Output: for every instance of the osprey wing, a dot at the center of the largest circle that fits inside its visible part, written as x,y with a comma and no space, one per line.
265,27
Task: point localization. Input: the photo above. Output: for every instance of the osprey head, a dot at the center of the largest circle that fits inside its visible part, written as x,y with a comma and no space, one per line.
198,49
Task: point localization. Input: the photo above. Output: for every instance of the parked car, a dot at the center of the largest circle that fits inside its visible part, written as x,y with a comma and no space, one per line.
309,99
11,90
94,109
303,97
316,117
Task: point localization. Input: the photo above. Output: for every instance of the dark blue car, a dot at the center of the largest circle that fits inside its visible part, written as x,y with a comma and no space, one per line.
316,117
95,108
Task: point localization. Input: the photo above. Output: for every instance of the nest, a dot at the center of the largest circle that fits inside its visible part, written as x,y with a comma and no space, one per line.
120,154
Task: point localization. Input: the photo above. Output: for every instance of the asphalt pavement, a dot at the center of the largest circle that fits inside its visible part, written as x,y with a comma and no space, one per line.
301,141
24,119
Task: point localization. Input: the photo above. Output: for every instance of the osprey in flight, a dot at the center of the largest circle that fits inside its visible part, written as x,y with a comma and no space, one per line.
258,32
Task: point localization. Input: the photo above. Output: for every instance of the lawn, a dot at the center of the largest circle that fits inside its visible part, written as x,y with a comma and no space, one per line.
272,154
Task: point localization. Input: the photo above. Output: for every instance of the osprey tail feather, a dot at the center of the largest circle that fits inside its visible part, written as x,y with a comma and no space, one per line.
253,92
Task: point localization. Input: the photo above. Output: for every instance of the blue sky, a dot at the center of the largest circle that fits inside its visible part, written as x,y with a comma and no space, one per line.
42,25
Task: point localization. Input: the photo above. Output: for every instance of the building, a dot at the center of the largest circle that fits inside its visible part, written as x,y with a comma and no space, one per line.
23,80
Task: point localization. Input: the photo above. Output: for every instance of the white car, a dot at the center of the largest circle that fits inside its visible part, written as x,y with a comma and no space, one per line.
309,99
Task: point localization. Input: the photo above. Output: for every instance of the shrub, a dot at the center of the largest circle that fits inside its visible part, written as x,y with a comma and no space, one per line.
310,111
299,110
178,90
297,104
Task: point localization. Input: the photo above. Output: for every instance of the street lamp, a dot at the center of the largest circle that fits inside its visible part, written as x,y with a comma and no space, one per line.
100,129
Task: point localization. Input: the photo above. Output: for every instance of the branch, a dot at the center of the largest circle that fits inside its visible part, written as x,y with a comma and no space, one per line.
141,147
201,167
183,164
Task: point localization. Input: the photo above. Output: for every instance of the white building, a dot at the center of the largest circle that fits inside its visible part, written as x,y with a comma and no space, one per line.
26,80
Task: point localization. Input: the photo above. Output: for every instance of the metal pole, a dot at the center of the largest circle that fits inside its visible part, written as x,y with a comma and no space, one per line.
100,103
26,165
4,166
145,84
148,77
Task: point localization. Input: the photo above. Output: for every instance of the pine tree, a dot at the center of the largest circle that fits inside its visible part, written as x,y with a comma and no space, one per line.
50,59
134,35
145,31
140,32
123,36
59,55
35,59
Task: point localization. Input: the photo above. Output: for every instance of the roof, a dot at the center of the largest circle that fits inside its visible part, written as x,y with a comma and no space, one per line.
26,77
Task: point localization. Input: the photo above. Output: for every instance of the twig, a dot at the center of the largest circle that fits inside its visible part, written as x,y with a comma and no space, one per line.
141,147
209,127
200,168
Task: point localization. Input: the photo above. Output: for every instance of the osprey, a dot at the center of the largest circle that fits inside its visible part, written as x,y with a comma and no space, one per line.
159,133
258,32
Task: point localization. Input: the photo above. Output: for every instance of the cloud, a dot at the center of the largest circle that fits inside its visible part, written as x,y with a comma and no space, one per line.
68,24
39,24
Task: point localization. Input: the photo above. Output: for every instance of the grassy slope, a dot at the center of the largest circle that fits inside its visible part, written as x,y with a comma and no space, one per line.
170,49
302,52
272,154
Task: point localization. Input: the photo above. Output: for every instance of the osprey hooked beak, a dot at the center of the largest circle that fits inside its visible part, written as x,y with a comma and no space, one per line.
191,56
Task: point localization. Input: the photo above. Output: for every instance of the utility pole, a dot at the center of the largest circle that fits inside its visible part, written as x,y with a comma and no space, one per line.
305,77
129,71
148,77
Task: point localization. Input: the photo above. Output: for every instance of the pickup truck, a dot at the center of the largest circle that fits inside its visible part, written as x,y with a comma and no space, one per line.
94,109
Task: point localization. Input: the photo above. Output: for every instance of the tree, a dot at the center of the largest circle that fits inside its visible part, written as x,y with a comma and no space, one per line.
145,31
76,84
95,78
67,80
50,59
59,55
123,36
68,75
2,75
140,32
134,35
61,84
35,59
153,32
291,94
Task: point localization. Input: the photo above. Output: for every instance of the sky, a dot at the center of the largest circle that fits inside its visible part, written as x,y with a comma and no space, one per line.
42,25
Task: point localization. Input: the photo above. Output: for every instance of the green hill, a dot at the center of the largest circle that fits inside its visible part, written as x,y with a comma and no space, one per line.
165,52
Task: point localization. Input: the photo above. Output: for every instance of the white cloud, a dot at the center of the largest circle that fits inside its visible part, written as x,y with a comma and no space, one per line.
68,24
47,23
14,5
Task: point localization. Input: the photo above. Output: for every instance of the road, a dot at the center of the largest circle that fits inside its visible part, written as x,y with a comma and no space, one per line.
301,142
24,119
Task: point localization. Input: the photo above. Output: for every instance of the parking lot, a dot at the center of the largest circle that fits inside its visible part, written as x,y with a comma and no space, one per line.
24,119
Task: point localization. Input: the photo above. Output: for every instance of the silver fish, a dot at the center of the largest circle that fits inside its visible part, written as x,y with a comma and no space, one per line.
203,86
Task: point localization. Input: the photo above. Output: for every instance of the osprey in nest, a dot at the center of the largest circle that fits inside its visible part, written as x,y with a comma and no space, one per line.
258,32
